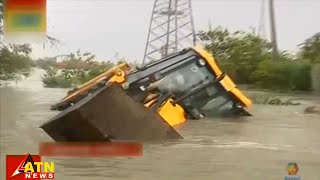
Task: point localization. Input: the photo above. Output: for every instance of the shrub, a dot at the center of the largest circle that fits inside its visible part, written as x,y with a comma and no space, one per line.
52,79
76,70
283,74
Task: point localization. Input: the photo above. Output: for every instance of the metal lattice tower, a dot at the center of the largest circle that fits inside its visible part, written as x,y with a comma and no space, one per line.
171,29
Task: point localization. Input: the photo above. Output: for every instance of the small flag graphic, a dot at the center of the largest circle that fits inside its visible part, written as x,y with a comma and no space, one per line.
25,19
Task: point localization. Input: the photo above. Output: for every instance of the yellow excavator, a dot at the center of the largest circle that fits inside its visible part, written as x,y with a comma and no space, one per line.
148,102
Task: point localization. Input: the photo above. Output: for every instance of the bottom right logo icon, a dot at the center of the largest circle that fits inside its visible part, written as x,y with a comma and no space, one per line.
292,169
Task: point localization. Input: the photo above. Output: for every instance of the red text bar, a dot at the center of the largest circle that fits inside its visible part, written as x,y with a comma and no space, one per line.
110,149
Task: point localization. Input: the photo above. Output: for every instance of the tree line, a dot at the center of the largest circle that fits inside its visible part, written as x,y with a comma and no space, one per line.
246,57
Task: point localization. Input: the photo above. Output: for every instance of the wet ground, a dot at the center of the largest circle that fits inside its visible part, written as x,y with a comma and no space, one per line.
257,147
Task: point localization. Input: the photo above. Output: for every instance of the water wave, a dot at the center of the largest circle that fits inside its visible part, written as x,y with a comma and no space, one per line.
238,145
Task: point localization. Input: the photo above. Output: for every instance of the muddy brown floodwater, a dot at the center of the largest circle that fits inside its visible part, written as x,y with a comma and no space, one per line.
250,148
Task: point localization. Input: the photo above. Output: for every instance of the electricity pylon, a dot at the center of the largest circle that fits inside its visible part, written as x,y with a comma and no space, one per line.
171,29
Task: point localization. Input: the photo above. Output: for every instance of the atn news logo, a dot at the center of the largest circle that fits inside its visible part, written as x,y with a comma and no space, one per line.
21,167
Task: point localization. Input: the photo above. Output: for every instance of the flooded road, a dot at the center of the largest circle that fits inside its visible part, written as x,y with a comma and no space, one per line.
257,147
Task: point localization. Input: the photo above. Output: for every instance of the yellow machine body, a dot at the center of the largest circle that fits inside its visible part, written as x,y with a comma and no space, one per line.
169,108
226,82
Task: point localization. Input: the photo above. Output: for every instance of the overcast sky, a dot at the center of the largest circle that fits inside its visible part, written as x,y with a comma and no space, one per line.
107,27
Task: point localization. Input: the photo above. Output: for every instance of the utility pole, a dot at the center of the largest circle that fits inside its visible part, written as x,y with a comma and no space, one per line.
210,24
273,30
262,20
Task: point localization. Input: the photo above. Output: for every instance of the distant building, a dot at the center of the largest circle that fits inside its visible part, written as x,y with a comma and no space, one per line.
61,58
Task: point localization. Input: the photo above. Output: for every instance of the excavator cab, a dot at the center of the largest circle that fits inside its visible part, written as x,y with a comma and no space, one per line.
148,102
193,79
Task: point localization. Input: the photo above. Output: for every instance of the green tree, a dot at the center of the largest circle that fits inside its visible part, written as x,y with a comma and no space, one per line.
15,62
248,59
310,48
76,69
238,53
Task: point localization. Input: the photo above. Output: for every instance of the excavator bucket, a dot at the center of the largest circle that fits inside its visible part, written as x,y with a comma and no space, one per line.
109,114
